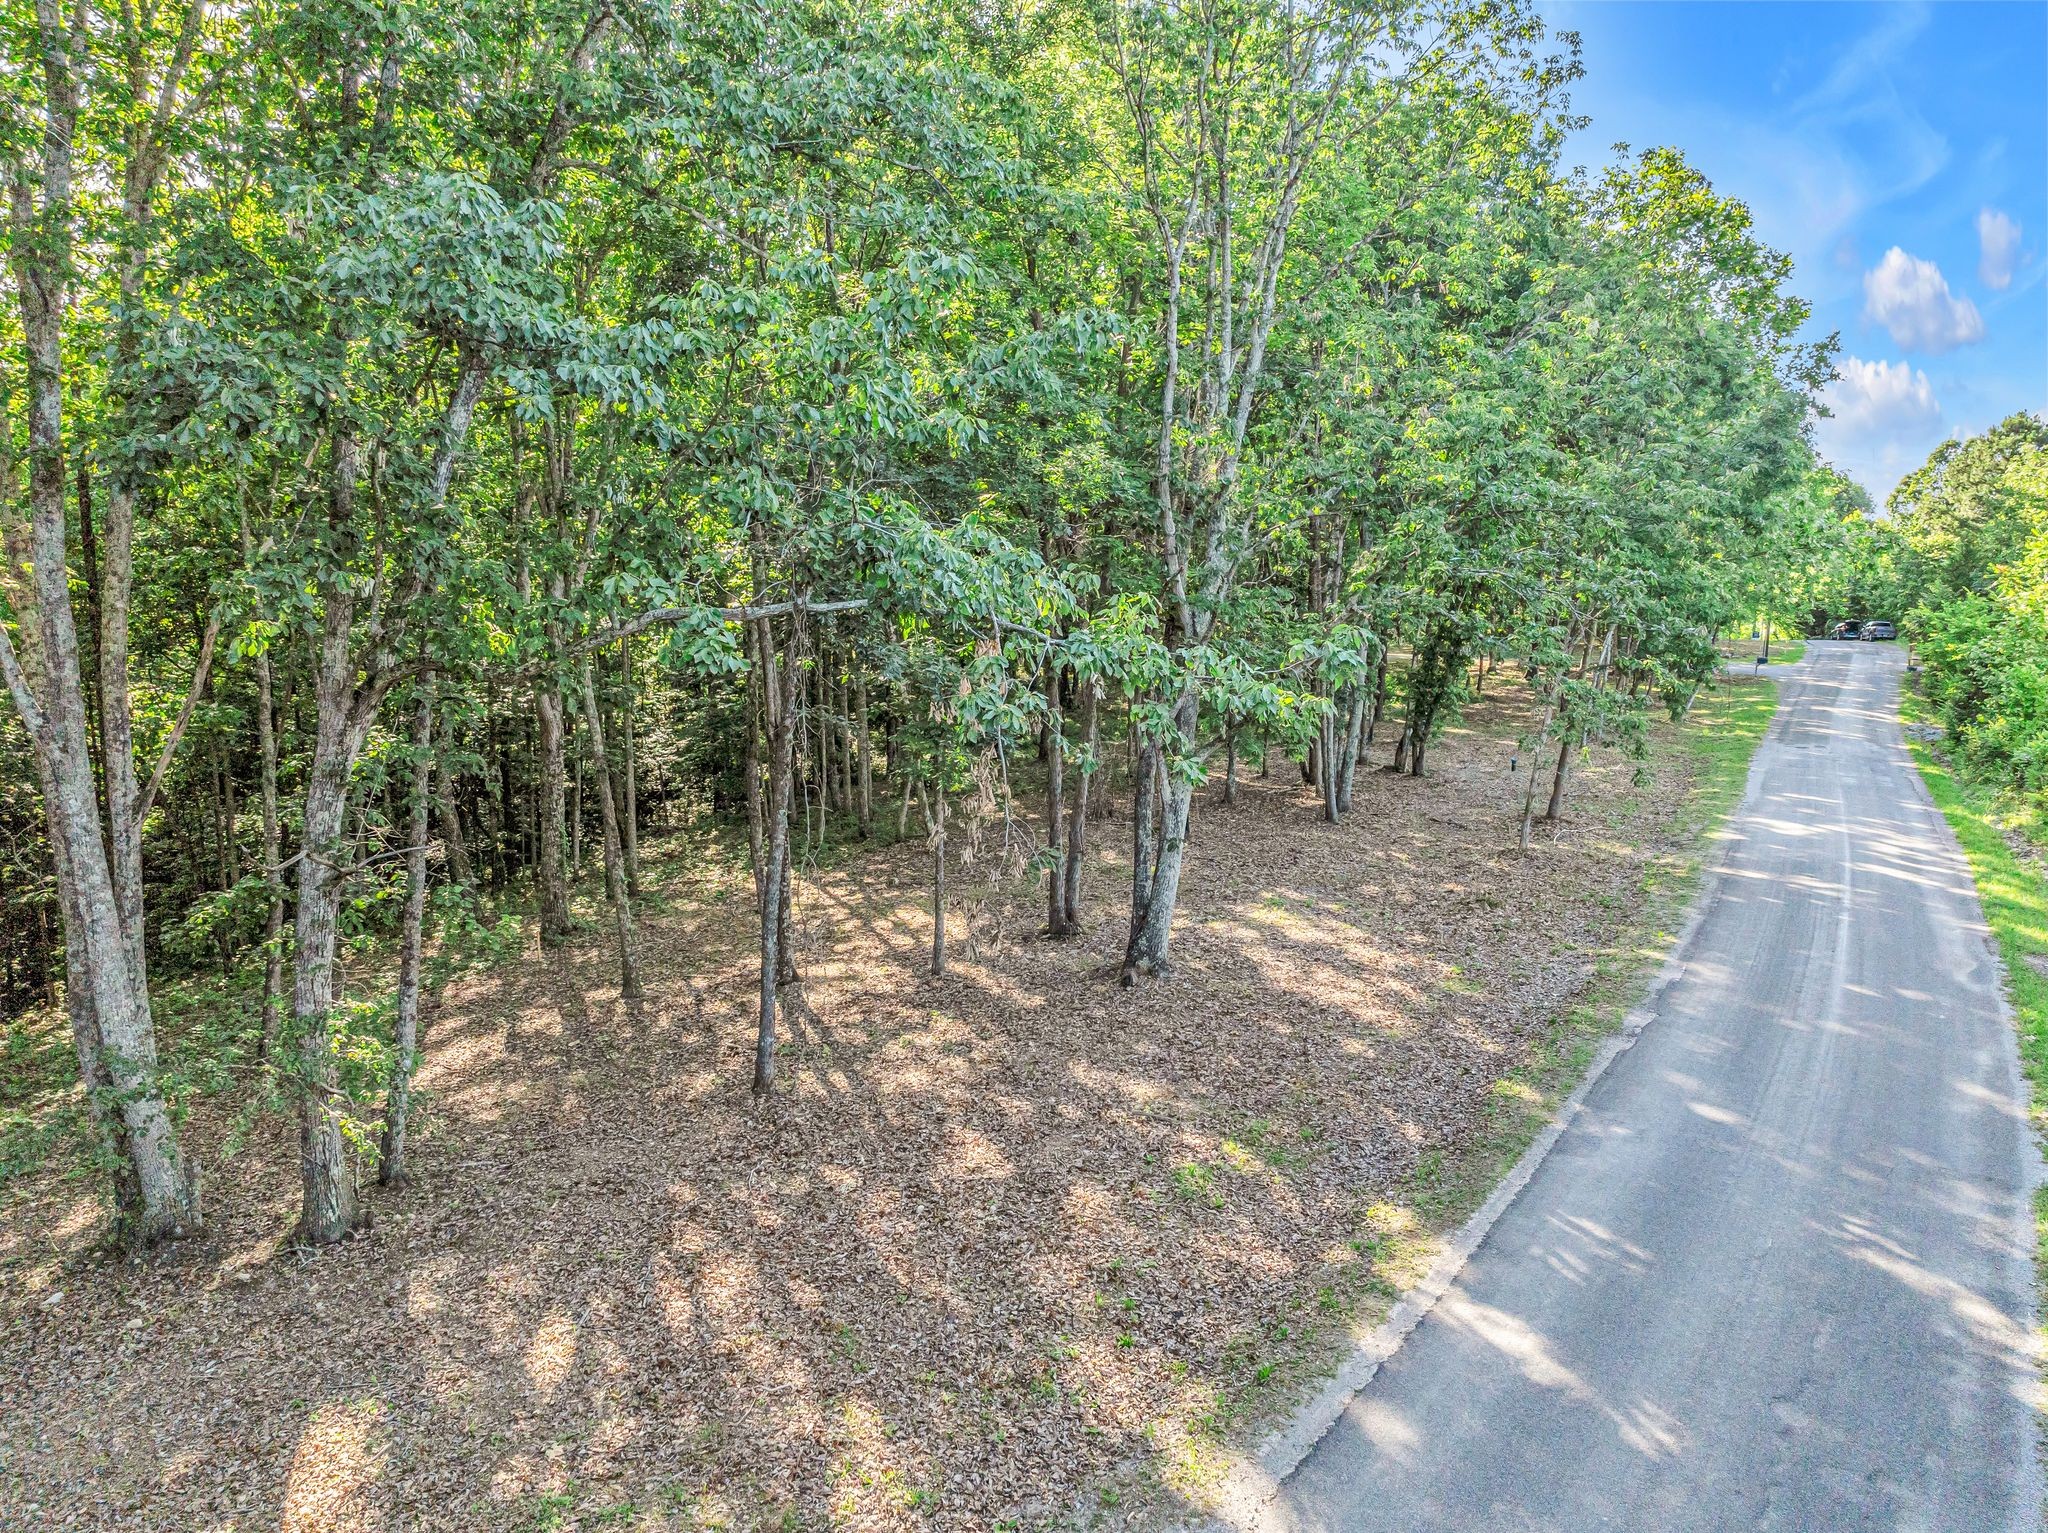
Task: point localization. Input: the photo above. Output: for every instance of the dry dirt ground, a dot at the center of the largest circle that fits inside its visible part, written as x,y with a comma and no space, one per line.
1012,1246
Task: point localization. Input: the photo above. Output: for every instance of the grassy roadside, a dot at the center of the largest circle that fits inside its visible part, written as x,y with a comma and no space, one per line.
1783,651
1401,1236
2014,894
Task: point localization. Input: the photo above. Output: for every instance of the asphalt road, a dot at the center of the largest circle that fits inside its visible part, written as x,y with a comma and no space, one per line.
1775,1274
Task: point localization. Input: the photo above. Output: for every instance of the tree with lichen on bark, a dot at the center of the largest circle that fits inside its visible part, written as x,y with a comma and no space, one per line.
103,119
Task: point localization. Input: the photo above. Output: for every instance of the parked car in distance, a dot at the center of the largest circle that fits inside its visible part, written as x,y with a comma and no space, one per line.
1879,631
1844,630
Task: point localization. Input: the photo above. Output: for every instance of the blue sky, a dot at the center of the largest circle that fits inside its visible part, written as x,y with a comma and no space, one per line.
1899,152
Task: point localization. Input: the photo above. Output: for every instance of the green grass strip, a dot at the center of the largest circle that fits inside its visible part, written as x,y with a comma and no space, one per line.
2015,899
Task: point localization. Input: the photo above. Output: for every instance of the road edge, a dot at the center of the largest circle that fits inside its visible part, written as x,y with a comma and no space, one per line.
1244,1503
1968,814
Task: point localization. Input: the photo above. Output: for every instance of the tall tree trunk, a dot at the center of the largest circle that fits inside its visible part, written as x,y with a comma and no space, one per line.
110,1129
820,727
327,1210
97,858
1529,791
1574,738
451,827
1056,922
575,810
779,700
842,724
1077,816
757,809
170,1188
614,850
935,824
273,854
102,911
231,816
89,560
1329,754
344,711
1352,746
391,1167
1425,695
1144,846
629,760
785,899
554,883
865,749
1158,852
1230,759
1564,762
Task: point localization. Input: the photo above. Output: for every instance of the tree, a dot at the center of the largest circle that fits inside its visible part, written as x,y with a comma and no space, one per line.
96,122
573,420
1232,116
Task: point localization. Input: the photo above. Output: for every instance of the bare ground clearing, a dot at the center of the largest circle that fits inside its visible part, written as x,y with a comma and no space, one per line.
1009,1239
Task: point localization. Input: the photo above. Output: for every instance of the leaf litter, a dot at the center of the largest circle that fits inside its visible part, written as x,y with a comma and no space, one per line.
1007,1244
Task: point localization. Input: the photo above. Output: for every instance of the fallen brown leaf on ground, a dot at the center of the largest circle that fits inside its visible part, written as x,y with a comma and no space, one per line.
1004,1240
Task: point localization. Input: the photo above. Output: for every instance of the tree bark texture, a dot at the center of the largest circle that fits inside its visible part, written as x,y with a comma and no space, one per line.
630,761
1056,922
102,907
779,694
554,795
1158,850
391,1162
614,849
1077,814
935,823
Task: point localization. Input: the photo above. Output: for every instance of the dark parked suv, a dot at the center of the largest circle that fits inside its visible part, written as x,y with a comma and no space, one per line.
1844,630
1879,631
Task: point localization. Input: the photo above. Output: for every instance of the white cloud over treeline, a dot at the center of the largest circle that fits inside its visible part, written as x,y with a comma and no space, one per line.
1911,299
1884,418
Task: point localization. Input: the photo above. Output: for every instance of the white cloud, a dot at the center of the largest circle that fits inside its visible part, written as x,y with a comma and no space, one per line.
1999,239
1879,398
1910,298
1838,140
1884,421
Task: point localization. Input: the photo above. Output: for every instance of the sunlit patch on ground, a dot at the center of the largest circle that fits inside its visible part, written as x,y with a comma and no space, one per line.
1003,1239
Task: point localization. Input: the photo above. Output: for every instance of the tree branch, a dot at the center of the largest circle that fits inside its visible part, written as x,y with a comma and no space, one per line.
590,643
170,747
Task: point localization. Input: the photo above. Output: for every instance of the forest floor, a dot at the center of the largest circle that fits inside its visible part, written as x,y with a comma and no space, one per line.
1010,1248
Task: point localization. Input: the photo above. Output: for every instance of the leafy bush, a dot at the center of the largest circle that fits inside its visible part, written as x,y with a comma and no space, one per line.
1986,652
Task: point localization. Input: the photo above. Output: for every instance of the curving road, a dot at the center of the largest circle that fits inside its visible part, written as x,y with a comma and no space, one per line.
1774,1275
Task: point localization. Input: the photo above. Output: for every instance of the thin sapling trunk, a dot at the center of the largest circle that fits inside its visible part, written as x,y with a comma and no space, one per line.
391,1163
